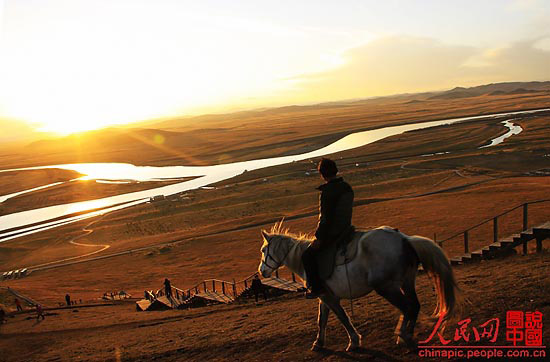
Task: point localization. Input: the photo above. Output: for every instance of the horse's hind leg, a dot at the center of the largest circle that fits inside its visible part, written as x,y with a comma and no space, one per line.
354,336
395,296
324,311
409,290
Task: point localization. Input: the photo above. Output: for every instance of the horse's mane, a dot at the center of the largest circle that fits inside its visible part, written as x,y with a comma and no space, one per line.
279,229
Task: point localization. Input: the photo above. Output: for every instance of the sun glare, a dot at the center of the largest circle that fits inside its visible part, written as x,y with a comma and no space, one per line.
66,72
78,100
70,66
76,108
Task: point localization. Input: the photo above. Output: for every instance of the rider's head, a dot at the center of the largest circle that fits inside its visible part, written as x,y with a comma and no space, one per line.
327,168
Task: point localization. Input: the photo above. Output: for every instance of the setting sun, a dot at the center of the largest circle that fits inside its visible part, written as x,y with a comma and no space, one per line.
76,74
186,180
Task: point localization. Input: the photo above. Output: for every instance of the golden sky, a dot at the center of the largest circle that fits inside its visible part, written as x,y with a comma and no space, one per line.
73,65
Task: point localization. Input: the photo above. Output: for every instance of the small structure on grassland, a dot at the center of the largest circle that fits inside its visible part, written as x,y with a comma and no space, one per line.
160,303
215,291
15,274
157,198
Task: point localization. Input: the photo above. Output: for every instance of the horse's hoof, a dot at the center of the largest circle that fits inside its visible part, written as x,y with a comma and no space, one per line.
317,347
407,342
355,345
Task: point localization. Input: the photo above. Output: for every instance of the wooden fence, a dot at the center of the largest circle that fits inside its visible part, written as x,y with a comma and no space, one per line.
231,289
495,225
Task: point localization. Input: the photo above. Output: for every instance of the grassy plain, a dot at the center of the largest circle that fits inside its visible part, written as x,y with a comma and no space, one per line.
277,330
396,183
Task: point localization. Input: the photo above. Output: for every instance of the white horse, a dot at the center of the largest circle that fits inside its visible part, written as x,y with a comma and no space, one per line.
386,261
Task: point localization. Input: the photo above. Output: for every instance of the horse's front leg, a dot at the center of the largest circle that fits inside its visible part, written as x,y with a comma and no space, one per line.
354,336
322,319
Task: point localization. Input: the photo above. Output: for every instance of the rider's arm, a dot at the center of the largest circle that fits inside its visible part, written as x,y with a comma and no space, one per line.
323,226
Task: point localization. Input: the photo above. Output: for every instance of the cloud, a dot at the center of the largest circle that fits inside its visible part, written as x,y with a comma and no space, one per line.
543,44
524,5
400,64
526,60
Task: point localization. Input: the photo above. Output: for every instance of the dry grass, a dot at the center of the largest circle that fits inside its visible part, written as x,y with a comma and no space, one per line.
279,330
395,185
259,134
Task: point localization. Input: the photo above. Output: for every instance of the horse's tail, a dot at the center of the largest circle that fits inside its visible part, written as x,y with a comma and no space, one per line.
437,265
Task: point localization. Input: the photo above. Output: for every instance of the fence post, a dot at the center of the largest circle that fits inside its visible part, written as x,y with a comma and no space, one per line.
234,289
466,248
245,284
525,216
293,277
204,285
437,242
495,229
223,287
213,285
539,245
277,273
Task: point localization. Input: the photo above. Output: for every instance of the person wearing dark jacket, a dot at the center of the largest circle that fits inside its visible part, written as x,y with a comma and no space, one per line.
18,305
167,288
2,316
335,211
39,312
258,287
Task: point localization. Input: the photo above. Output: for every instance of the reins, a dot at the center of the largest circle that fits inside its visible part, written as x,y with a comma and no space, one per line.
349,288
278,263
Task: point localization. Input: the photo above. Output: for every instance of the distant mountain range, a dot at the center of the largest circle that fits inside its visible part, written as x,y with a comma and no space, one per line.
494,89
19,131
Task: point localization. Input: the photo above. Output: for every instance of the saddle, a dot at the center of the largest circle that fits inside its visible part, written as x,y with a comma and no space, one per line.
344,250
348,251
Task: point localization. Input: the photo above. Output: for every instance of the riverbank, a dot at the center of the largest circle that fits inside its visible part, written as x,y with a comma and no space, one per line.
219,173
241,136
17,181
393,171
432,182
72,191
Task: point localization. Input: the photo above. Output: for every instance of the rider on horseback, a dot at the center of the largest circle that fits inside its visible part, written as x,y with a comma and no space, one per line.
335,210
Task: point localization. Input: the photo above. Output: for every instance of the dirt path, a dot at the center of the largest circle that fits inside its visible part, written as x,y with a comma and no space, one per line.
87,231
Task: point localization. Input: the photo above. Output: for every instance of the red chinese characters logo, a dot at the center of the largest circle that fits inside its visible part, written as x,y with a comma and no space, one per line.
487,331
521,327
524,327
514,326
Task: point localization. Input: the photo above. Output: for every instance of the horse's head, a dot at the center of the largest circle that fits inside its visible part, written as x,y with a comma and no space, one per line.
271,248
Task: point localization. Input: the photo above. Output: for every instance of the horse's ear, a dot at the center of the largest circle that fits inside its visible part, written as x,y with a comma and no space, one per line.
265,235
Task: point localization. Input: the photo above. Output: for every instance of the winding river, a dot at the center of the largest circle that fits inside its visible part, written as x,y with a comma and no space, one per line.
513,129
26,222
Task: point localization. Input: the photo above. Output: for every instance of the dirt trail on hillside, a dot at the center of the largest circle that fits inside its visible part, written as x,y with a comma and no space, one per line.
87,231
282,329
